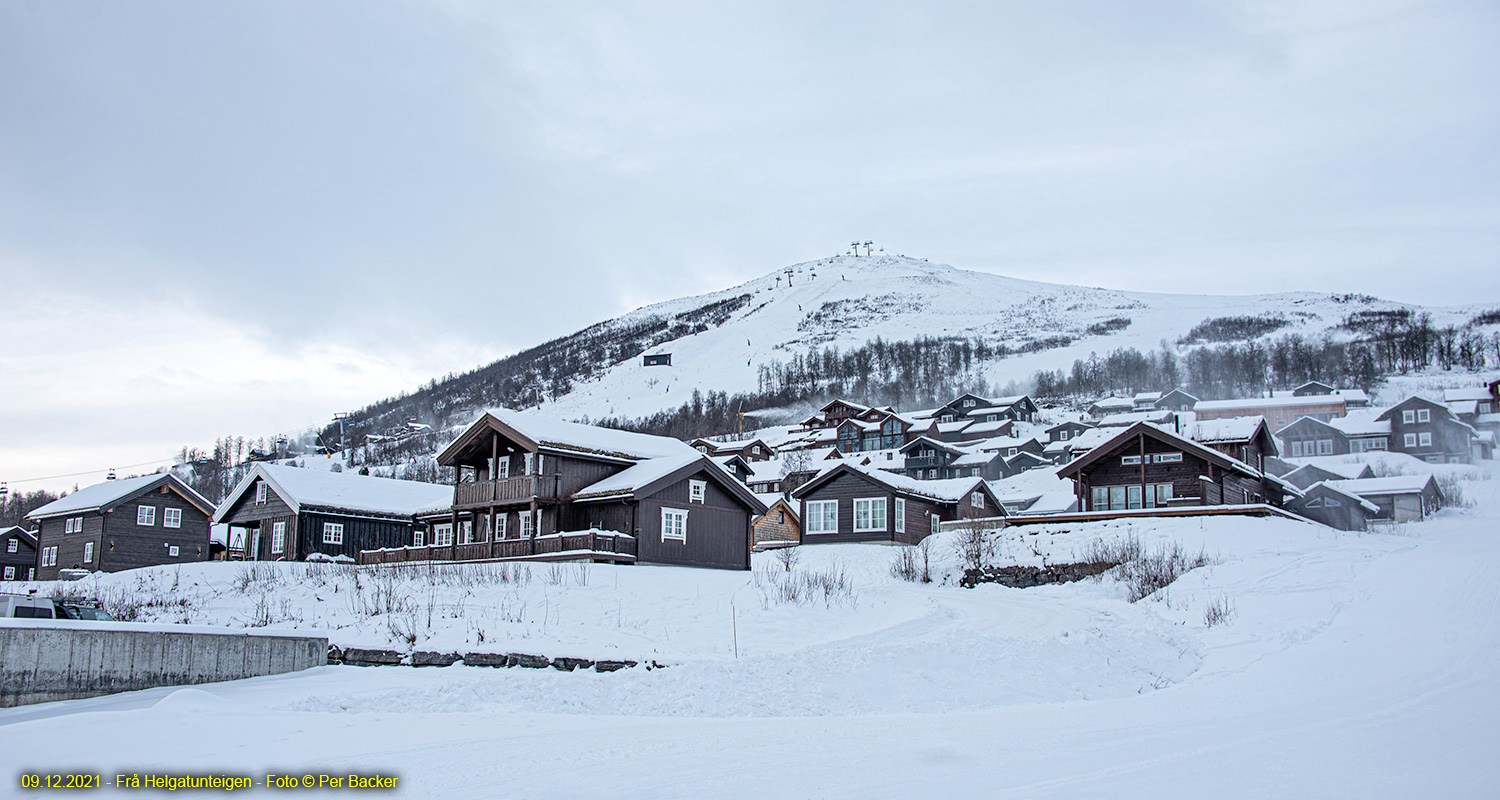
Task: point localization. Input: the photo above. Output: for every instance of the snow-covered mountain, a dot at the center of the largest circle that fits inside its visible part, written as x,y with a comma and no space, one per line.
848,300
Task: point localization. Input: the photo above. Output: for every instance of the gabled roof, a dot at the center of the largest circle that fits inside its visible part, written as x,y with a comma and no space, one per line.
1330,471
302,488
539,433
1467,393
1147,397
1072,423
952,490
1027,460
21,532
775,500
1395,484
109,493
1229,429
1167,437
1361,422
651,475
1113,402
1318,387
1414,400
1268,402
1330,488
1131,418
855,407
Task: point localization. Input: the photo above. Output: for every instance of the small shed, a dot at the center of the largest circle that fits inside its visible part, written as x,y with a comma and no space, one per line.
1334,507
657,360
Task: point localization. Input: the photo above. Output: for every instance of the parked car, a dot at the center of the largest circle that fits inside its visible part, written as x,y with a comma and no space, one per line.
27,606
81,608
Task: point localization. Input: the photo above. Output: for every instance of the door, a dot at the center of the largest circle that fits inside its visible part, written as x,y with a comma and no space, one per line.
253,554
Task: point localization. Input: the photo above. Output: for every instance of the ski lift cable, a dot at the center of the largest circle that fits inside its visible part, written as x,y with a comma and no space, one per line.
92,471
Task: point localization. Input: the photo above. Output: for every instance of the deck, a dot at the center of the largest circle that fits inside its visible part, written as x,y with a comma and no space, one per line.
581,546
506,491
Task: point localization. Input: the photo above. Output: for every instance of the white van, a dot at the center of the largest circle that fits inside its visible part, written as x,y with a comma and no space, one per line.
27,606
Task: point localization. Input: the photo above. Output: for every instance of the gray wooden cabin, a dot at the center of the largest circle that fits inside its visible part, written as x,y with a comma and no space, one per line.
522,484
1400,498
1430,431
278,513
122,524
1334,507
850,503
1146,467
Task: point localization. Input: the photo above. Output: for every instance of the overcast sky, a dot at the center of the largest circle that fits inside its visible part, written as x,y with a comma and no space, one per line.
238,218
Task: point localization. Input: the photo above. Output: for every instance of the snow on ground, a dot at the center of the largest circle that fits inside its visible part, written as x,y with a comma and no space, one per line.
1354,665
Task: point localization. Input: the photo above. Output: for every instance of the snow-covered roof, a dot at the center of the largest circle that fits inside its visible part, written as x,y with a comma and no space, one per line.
577,437
987,427
107,493
21,532
1147,397
1225,429
950,490
1487,419
1463,406
1007,401
1351,497
343,491
1466,393
1090,439
955,426
1128,419
1267,402
1362,422
1353,395
1113,402
626,481
976,459
1348,470
997,443
1395,484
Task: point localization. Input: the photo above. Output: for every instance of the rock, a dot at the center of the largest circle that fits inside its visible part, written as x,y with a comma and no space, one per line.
524,660
486,660
361,657
427,658
570,664
612,666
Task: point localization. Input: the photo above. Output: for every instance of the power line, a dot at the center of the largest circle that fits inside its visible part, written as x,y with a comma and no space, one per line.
91,472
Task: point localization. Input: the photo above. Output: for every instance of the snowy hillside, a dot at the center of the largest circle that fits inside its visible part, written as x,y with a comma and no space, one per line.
849,300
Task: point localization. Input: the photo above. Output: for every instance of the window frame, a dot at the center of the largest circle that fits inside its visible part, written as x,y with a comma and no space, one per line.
671,532
976,500
145,516
1410,439
333,533
818,514
900,521
173,551
10,572
697,491
88,552
278,537
1408,417
1424,415
171,517
870,514
262,493
442,534
1424,439
13,546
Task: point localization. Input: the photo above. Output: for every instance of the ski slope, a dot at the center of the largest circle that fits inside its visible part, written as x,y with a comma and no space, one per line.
1355,665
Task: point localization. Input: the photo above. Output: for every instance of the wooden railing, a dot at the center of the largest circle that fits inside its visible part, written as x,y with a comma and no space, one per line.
521,489
548,547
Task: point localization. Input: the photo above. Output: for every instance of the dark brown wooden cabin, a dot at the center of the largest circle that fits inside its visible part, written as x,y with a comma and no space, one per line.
17,554
1176,400
1147,467
858,504
657,360
520,479
278,513
1067,431
122,524
1429,431
1333,507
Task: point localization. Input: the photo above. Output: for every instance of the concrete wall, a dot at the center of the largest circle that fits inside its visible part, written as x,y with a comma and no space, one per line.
38,664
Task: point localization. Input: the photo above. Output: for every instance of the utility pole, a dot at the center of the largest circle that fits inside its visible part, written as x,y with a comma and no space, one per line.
339,418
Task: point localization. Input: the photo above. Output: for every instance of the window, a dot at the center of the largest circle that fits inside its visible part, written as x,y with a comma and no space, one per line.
674,525
1325,447
260,493
145,515
1411,440
12,546
1485,407
823,516
968,404
1424,439
527,462
333,533
49,556
278,537
696,490
869,514
417,537
977,499
1128,460
990,418
442,534
1408,416
1012,451
173,551
937,524
780,517
502,468
1167,458
466,531
88,552
10,573
528,524
1424,415
900,515
501,525
1296,449
171,517
1163,495
1133,496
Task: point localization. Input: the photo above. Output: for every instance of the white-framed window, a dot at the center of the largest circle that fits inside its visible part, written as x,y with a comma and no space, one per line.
1296,448
674,524
333,533
278,537
1408,416
12,546
968,404
822,516
1325,447
1129,460
502,468
500,524
10,573
173,551
145,515
1411,440
1424,415
1424,439
1133,496
418,536
696,490
869,514
49,556
171,518
1167,458
528,524
976,500
937,523
260,493
88,552
442,534
466,531
900,515
528,461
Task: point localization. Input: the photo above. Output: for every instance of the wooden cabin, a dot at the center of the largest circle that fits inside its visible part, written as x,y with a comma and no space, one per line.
17,554
1019,408
1399,498
122,524
1278,411
1357,432
780,526
1105,406
1176,400
523,484
1144,467
850,503
1309,474
1067,431
1325,503
1313,389
1248,439
1430,431
657,360
282,513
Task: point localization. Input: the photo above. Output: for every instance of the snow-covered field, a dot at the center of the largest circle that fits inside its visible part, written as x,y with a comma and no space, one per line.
1353,665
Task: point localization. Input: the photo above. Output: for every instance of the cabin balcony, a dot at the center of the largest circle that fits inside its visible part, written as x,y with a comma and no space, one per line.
506,491
928,462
